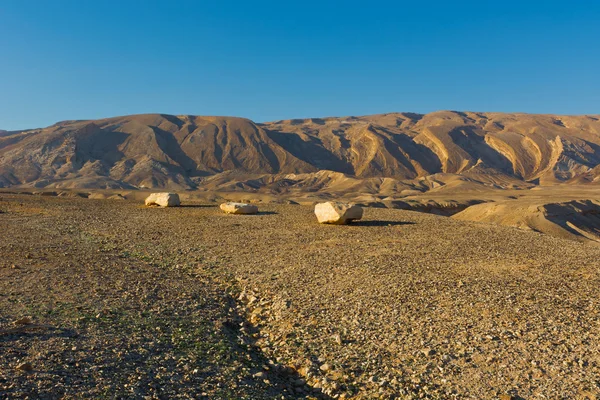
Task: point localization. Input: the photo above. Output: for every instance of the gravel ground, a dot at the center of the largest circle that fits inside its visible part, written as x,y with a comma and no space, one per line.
162,303
121,315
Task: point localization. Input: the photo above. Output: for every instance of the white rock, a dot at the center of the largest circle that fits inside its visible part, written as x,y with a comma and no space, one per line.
337,213
239,208
163,199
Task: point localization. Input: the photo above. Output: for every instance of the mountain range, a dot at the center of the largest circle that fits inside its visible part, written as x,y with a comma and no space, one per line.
388,153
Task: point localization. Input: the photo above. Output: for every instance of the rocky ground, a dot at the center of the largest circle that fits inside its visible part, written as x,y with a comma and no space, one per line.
135,302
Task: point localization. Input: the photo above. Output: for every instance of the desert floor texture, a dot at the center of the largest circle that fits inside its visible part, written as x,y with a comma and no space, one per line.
135,302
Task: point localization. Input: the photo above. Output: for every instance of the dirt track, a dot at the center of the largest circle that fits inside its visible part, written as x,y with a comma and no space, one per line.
158,302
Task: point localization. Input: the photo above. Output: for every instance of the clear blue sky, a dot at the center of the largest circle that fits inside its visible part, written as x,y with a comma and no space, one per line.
268,60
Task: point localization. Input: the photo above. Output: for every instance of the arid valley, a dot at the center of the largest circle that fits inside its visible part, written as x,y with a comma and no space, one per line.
303,200
473,272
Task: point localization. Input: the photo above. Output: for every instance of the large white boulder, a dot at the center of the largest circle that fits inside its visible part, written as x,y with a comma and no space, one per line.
163,200
333,212
239,208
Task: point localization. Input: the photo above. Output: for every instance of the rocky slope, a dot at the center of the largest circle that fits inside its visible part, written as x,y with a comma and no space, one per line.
395,150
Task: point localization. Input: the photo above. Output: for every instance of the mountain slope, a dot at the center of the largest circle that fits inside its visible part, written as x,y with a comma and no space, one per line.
157,150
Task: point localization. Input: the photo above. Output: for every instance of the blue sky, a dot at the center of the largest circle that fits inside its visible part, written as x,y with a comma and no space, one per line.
268,60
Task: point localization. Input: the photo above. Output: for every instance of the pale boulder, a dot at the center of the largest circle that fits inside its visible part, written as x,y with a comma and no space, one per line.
238,208
337,213
163,200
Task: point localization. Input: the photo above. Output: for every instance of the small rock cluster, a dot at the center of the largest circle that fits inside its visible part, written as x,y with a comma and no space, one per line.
330,212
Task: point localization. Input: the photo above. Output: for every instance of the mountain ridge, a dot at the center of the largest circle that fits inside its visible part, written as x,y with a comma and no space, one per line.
183,151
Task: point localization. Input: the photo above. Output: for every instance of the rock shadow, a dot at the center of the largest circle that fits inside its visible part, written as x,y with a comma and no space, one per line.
255,214
39,332
198,205
381,223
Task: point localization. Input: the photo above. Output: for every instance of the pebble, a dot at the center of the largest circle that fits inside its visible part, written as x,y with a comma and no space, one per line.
23,321
26,367
325,367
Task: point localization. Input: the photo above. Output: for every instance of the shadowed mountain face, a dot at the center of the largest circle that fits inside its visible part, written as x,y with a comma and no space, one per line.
182,152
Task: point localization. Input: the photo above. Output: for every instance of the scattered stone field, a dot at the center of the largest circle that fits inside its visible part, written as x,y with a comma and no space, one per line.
112,299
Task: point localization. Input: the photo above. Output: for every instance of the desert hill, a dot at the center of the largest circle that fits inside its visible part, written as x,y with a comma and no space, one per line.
387,153
573,219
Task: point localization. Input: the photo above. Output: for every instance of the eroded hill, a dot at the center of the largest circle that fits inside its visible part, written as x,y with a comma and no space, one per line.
574,219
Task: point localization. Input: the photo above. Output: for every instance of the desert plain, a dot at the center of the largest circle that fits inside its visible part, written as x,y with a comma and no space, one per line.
133,301
473,273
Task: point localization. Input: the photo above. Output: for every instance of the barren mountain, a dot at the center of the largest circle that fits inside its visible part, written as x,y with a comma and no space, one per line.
389,152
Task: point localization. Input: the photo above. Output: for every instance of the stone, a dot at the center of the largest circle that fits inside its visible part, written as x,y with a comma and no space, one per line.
338,338
325,367
238,208
427,352
337,213
23,321
163,200
25,367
